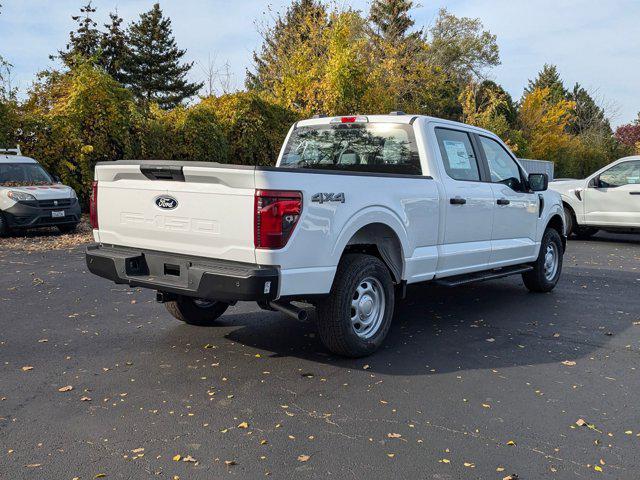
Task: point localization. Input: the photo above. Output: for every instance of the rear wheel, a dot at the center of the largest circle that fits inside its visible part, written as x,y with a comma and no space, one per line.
196,311
355,319
547,268
5,231
68,228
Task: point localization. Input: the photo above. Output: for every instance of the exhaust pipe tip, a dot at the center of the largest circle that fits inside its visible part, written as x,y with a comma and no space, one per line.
297,313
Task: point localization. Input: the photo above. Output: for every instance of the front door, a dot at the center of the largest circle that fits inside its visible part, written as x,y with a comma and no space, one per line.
515,217
614,199
468,205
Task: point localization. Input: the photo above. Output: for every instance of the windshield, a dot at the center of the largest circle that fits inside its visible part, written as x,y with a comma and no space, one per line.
23,174
371,147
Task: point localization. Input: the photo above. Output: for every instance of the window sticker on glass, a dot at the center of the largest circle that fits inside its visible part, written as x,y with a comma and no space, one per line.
457,155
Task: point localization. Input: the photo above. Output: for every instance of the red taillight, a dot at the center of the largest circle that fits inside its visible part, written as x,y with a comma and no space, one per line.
93,205
275,216
348,119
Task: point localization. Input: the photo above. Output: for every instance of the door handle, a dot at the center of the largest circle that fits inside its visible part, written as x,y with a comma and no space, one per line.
634,193
457,201
503,201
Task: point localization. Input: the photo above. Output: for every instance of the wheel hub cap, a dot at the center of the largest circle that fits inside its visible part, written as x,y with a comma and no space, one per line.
551,261
367,308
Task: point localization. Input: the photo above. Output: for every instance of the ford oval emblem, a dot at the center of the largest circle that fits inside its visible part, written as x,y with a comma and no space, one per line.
166,202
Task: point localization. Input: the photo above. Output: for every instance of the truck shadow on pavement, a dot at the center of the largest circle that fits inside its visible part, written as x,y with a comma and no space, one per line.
438,330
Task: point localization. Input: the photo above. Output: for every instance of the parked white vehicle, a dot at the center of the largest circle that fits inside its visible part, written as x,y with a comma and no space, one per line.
607,200
355,209
30,197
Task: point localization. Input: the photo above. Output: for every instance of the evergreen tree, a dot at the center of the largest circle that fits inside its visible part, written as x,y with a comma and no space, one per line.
299,26
114,48
153,68
391,19
549,78
84,42
590,117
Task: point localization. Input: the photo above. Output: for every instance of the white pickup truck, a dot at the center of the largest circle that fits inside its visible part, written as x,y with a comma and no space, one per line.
355,209
607,200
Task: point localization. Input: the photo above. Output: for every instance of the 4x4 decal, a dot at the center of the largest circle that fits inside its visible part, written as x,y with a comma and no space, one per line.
328,197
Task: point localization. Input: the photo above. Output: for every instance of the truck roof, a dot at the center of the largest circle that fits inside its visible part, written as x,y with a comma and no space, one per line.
400,117
4,158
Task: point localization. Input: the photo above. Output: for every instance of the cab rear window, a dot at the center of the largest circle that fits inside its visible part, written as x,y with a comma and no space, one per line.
370,147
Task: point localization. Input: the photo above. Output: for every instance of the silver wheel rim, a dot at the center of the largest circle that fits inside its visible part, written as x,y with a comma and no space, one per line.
551,261
201,303
368,304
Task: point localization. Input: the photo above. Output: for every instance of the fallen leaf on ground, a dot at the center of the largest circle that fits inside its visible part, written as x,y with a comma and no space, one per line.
177,458
243,425
230,463
394,435
569,363
26,368
189,458
303,458
68,388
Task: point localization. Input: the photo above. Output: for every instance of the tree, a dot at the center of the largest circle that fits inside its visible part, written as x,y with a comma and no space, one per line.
629,135
74,119
391,19
461,47
288,67
488,105
114,48
84,42
549,78
152,68
590,117
544,128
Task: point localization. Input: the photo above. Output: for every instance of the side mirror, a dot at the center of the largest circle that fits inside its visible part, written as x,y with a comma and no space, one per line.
594,182
538,182
57,179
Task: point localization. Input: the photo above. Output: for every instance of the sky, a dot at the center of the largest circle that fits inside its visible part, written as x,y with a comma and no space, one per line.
593,42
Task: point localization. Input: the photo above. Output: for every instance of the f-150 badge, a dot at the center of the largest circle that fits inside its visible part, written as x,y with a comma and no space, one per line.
328,197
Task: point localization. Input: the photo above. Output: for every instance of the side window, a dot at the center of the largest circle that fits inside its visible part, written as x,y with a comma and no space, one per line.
626,173
457,154
502,167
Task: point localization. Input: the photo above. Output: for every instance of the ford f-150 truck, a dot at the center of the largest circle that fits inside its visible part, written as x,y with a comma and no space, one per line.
607,200
355,209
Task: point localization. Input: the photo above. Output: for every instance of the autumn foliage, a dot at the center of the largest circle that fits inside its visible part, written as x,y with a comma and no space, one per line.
314,59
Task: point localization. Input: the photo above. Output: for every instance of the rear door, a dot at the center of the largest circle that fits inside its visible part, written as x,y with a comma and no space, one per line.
193,208
468,205
515,216
615,200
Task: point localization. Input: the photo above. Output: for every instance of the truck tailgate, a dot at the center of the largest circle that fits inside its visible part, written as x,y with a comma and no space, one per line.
212,215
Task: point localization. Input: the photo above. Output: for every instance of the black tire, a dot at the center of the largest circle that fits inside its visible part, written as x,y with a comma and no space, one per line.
68,228
584,233
538,279
202,313
5,231
570,222
335,326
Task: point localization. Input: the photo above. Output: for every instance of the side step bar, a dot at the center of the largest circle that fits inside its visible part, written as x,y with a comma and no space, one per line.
482,276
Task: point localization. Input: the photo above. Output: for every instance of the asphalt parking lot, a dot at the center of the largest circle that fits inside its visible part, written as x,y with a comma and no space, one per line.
483,381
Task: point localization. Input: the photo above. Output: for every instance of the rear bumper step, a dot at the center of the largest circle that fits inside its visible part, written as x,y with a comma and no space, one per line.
184,275
482,276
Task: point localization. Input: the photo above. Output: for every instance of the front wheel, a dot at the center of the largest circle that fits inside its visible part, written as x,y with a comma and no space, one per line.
355,319
195,311
547,268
